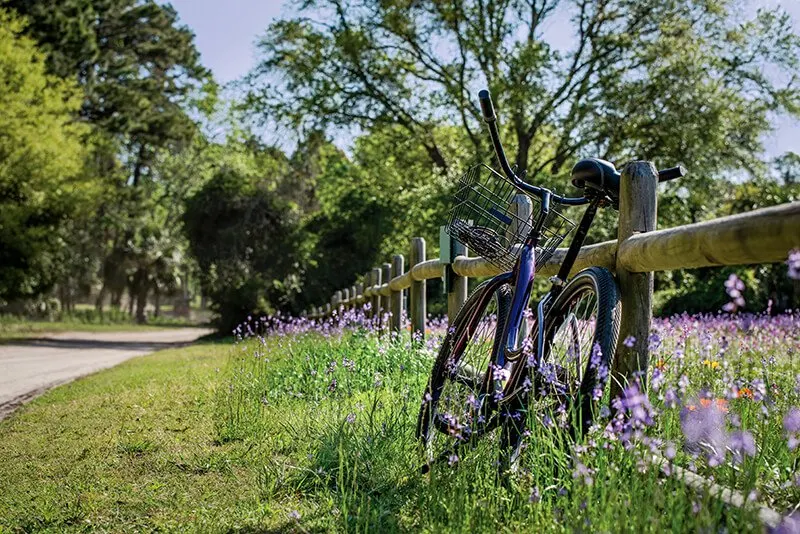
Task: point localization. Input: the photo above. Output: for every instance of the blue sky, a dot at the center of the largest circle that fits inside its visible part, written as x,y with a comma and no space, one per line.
227,30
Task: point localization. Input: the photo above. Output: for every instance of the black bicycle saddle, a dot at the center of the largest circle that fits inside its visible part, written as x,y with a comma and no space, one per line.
597,174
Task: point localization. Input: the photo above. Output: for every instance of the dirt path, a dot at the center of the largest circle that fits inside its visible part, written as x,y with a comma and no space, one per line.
31,367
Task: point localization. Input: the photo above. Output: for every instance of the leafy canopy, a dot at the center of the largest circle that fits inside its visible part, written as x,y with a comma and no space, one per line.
41,158
675,81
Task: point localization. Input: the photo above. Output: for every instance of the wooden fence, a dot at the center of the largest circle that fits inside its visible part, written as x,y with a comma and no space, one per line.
760,236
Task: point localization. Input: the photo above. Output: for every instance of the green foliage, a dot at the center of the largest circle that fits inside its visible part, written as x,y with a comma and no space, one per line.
41,157
675,82
139,69
245,241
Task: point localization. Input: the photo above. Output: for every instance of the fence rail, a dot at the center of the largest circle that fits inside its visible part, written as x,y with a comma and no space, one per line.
761,236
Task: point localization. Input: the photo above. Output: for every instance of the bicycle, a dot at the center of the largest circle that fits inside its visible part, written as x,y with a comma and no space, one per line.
488,369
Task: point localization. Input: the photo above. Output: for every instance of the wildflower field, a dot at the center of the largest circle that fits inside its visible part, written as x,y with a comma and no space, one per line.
309,427
332,407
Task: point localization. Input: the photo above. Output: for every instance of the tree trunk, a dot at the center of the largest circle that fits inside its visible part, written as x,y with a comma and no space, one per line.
131,296
524,143
156,301
436,156
116,298
101,297
142,288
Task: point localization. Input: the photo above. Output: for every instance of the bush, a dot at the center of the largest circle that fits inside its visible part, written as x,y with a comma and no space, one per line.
246,241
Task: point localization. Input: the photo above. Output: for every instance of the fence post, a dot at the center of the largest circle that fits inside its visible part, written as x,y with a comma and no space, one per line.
375,280
397,296
457,290
637,213
386,306
359,295
417,293
367,284
345,298
521,225
353,303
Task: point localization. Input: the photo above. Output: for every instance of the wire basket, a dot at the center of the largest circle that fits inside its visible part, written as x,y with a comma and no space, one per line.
489,216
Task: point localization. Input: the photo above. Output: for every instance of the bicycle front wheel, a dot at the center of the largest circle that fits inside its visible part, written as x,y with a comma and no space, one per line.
456,401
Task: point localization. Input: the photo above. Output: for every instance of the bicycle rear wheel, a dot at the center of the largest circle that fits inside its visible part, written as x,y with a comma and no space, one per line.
456,402
581,328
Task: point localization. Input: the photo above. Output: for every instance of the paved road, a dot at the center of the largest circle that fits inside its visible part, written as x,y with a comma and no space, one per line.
29,368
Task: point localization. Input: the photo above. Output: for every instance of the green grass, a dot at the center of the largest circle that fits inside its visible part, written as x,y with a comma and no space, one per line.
272,436
129,449
10,331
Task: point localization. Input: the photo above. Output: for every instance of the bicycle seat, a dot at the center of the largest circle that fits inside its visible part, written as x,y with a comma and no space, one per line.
597,174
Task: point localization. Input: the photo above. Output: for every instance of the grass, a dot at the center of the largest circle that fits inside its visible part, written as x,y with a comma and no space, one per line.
129,449
313,432
33,329
15,328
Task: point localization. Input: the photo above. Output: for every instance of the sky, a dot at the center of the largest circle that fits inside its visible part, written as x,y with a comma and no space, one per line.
227,31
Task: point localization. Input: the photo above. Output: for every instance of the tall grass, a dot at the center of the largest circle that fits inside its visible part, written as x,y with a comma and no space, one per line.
330,410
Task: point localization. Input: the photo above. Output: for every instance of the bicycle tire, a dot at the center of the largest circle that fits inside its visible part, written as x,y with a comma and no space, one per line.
601,283
470,316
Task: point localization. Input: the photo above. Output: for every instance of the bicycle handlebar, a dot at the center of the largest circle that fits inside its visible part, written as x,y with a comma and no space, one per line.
671,173
486,105
491,120
489,116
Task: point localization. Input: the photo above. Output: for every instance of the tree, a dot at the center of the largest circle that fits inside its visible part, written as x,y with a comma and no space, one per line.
245,240
139,69
142,81
41,157
676,81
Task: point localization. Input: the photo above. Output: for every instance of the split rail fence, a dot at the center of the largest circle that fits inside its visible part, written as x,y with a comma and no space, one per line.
760,236
764,235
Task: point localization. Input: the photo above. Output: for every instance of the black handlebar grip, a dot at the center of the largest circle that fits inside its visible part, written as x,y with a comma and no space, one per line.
486,105
671,174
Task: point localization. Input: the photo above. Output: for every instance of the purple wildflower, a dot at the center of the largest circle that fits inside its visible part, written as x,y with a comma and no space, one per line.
794,264
742,444
789,525
670,398
584,473
629,342
791,422
734,287
704,429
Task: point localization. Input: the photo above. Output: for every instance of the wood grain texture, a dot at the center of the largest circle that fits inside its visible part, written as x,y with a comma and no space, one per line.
397,294
399,283
457,293
417,296
385,294
637,214
761,236
600,254
360,293
376,297
426,270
